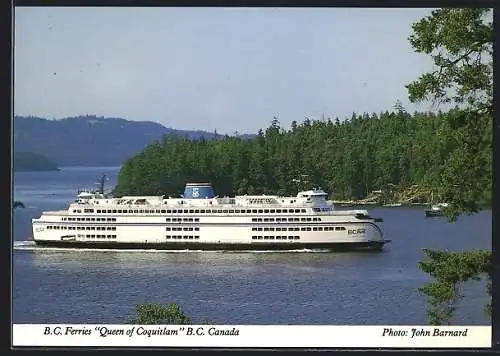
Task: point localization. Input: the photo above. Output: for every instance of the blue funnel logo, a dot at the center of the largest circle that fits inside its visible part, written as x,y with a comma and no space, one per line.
198,191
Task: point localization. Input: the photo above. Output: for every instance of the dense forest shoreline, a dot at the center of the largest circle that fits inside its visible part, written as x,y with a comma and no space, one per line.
396,153
32,162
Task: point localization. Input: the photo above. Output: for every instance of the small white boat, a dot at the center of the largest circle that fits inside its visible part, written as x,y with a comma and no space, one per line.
436,210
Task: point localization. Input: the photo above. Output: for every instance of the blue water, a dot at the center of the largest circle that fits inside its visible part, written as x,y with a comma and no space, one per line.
64,286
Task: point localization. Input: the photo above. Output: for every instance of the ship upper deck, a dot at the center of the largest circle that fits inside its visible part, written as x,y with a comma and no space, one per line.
313,198
193,203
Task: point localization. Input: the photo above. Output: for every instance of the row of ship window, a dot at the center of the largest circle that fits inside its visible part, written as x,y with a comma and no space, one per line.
284,219
193,211
103,228
182,219
275,237
100,236
88,219
183,229
308,228
197,219
179,237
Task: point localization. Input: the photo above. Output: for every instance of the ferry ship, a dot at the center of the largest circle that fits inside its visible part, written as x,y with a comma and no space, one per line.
199,220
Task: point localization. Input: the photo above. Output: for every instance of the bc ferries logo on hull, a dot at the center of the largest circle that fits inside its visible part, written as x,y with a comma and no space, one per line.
200,220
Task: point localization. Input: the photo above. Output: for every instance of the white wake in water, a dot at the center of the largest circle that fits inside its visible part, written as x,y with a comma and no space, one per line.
30,246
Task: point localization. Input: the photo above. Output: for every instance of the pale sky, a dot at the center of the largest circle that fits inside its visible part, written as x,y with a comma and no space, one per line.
230,69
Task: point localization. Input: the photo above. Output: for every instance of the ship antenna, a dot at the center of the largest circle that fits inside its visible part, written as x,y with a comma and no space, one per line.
101,183
301,183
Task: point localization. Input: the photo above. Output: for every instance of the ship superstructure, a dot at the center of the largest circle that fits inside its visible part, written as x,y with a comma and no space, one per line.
199,220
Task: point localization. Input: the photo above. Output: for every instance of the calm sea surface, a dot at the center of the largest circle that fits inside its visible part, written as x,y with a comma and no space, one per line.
64,286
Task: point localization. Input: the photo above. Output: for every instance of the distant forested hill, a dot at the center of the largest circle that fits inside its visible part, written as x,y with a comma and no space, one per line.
29,161
90,140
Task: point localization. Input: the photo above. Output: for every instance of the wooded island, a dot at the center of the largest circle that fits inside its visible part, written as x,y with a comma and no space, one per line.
391,152
29,161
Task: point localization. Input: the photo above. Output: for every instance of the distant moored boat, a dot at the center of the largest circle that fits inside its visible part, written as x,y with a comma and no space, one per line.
435,210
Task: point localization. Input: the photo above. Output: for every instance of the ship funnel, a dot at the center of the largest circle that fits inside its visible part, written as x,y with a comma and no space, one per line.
198,191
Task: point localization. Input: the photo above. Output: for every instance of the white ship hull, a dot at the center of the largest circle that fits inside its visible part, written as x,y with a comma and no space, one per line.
208,224
217,235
